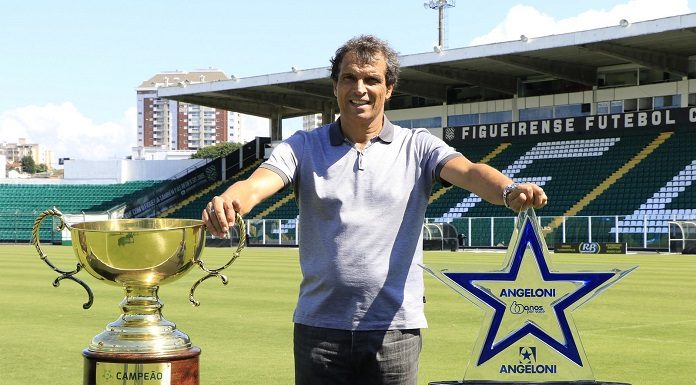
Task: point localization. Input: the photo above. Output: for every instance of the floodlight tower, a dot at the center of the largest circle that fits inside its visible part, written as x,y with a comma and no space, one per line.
440,5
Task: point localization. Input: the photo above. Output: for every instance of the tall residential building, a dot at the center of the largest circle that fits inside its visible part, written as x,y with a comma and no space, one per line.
171,125
310,122
235,133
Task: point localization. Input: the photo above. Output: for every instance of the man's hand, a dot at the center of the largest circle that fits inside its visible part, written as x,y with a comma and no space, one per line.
218,216
526,195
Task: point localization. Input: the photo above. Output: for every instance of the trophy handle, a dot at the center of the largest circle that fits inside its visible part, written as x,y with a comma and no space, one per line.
217,272
54,212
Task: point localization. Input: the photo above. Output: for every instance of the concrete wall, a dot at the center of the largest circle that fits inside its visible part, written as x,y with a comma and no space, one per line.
122,170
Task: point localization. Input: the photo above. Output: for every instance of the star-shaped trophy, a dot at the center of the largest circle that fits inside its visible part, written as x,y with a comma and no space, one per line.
528,335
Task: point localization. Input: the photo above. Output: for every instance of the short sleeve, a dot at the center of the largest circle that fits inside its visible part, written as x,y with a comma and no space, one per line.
284,158
435,153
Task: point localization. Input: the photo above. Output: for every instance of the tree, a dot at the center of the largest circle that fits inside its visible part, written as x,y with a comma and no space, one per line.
216,151
41,167
28,164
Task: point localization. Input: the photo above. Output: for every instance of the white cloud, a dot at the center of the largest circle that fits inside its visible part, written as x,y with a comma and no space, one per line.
63,129
527,20
253,126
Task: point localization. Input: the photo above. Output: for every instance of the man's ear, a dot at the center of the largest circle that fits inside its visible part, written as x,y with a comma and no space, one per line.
334,88
390,89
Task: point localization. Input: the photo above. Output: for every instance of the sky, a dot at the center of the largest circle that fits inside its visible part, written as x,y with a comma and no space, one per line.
70,68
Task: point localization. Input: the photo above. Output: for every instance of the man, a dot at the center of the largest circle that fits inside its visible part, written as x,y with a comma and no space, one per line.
362,186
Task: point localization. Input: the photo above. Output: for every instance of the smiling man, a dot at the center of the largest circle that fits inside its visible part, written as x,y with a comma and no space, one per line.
362,186
363,82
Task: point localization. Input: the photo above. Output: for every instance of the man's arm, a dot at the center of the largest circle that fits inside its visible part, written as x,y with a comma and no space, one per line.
241,197
489,184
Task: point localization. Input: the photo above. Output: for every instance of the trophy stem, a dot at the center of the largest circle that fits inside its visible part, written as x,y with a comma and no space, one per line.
141,305
141,328
141,346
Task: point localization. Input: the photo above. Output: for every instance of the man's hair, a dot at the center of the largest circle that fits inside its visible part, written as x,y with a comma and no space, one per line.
366,48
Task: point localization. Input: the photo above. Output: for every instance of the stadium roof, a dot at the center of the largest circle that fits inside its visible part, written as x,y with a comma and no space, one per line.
663,44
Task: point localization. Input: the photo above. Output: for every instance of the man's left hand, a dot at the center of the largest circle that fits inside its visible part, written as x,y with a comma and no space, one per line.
527,195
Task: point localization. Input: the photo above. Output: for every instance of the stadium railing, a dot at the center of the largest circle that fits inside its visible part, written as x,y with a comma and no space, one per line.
495,232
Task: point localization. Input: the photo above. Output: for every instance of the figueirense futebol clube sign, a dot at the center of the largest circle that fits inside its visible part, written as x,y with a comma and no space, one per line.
528,333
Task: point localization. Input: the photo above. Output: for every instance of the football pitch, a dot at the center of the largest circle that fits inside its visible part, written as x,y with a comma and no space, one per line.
641,331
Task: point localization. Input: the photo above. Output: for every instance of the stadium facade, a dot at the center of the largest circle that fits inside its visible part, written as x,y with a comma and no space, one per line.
627,67
604,119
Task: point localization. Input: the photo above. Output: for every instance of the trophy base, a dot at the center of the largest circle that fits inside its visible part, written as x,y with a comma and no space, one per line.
485,382
180,368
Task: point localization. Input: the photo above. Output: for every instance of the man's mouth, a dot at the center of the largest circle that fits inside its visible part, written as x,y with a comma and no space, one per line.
359,102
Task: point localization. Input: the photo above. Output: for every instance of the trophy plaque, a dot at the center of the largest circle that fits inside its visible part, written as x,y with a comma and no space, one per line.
528,335
141,346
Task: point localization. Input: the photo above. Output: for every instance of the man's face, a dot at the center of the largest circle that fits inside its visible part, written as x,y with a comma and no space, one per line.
361,89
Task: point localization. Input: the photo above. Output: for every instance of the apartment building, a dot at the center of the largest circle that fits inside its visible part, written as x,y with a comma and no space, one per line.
172,125
14,152
310,122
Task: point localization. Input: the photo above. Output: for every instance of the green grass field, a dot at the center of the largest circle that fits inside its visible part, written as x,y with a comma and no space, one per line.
641,331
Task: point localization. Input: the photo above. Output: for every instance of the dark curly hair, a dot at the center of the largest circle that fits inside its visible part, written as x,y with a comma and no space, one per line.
367,47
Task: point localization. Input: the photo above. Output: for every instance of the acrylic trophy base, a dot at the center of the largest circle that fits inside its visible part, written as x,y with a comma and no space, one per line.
180,368
480,382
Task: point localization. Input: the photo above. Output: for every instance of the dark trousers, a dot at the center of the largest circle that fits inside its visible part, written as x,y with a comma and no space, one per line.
344,357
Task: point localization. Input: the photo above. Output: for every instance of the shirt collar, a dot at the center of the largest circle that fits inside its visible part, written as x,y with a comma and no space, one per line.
337,138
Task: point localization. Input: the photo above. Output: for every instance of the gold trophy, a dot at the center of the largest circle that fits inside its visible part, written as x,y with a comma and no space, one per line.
141,346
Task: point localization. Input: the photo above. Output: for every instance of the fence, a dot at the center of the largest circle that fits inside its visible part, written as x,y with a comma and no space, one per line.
644,233
639,233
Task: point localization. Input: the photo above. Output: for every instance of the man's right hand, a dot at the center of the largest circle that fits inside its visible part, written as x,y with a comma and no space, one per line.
219,215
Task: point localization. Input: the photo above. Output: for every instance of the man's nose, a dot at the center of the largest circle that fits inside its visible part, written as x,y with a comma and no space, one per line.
360,87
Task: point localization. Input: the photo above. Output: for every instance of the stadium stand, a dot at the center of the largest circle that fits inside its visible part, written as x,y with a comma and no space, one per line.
603,119
643,176
657,190
191,206
182,194
280,206
20,204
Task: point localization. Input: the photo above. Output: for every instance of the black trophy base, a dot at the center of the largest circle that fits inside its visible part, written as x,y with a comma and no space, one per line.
483,382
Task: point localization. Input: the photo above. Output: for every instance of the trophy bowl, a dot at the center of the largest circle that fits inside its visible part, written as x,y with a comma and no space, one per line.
139,255
138,252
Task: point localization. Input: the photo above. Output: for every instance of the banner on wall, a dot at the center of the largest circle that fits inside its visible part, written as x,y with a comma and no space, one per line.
168,194
655,119
591,247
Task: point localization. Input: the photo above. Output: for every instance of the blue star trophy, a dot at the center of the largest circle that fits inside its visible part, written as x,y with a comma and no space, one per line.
528,335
